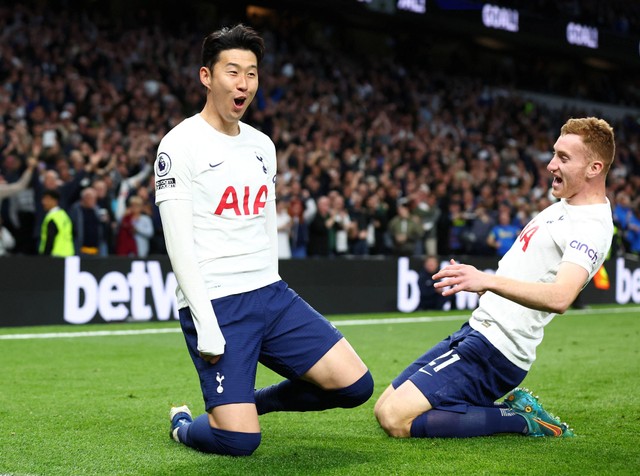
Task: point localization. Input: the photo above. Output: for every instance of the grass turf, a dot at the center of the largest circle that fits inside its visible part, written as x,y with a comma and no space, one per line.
98,404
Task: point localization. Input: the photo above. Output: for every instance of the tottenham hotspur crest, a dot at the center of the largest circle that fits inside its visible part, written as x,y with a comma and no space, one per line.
219,379
264,167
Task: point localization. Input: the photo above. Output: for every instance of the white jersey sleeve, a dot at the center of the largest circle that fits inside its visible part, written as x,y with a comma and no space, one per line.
177,224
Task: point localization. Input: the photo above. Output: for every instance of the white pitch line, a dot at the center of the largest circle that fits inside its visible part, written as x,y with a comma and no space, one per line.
346,322
60,335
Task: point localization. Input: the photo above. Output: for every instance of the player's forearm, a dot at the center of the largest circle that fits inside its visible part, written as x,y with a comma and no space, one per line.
177,226
550,297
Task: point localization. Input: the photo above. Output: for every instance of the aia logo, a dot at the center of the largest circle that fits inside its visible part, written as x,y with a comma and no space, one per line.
246,203
526,234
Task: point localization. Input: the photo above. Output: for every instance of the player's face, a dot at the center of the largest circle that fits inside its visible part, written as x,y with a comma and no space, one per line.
569,167
232,83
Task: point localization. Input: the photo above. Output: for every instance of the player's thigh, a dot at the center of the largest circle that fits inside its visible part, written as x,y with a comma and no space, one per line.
241,417
429,356
231,380
381,399
338,368
299,341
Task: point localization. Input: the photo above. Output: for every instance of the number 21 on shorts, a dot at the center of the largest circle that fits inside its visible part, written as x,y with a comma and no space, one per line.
441,362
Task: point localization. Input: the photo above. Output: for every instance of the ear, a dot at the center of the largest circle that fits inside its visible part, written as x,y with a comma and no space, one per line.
205,77
594,169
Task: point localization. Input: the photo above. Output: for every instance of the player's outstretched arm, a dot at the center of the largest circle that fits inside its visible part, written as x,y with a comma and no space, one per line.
177,224
554,297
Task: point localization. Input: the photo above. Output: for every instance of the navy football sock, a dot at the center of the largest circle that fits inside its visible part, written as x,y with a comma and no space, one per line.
301,396
200,436
477,421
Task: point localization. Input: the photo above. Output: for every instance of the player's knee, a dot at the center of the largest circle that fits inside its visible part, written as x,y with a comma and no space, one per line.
390,421
356,394
234,443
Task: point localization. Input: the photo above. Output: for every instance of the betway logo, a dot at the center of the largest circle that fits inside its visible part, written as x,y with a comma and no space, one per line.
118,296
627,283
409,290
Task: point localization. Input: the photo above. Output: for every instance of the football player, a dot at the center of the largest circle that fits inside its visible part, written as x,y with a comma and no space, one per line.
451,389
215,187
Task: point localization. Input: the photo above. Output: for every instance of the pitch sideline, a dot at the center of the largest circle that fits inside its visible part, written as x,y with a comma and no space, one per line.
337,323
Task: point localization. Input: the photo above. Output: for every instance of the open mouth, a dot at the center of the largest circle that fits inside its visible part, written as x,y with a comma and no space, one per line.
557,180
239,102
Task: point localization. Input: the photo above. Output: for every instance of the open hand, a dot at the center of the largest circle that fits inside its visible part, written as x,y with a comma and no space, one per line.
460,277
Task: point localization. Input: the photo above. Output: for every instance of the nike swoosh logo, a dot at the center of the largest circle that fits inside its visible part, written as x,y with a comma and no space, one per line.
213,166
557,431
424,372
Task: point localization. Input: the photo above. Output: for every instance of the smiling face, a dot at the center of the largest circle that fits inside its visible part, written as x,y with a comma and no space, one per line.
232,84
572,169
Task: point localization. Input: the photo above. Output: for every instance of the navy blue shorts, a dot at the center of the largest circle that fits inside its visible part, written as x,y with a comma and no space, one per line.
271,325
463,369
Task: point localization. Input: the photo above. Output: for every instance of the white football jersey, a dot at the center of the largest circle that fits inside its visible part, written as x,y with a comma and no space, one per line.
562,232
229,180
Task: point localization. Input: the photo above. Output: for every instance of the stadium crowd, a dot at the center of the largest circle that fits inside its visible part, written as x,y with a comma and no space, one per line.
377,156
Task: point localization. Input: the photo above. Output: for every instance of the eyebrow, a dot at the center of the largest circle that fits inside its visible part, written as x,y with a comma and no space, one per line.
236,65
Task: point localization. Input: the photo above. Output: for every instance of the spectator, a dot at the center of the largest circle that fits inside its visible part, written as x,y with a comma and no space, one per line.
56,238
503,234
157,245
457,227
19,207
7,241
299,229
284,224
633,231
68,191
321,229
136,230
405,232
339,244
88,228
125,240
622,213
479,232
426,208
430,297
359,226
377,231
8,189
104,201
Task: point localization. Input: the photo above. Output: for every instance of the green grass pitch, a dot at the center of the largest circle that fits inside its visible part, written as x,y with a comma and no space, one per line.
98,405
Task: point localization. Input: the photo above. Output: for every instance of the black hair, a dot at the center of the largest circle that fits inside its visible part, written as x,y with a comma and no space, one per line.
237,37
52,194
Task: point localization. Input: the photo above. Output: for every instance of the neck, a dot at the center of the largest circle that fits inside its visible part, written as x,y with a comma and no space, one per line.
590,197
215,121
